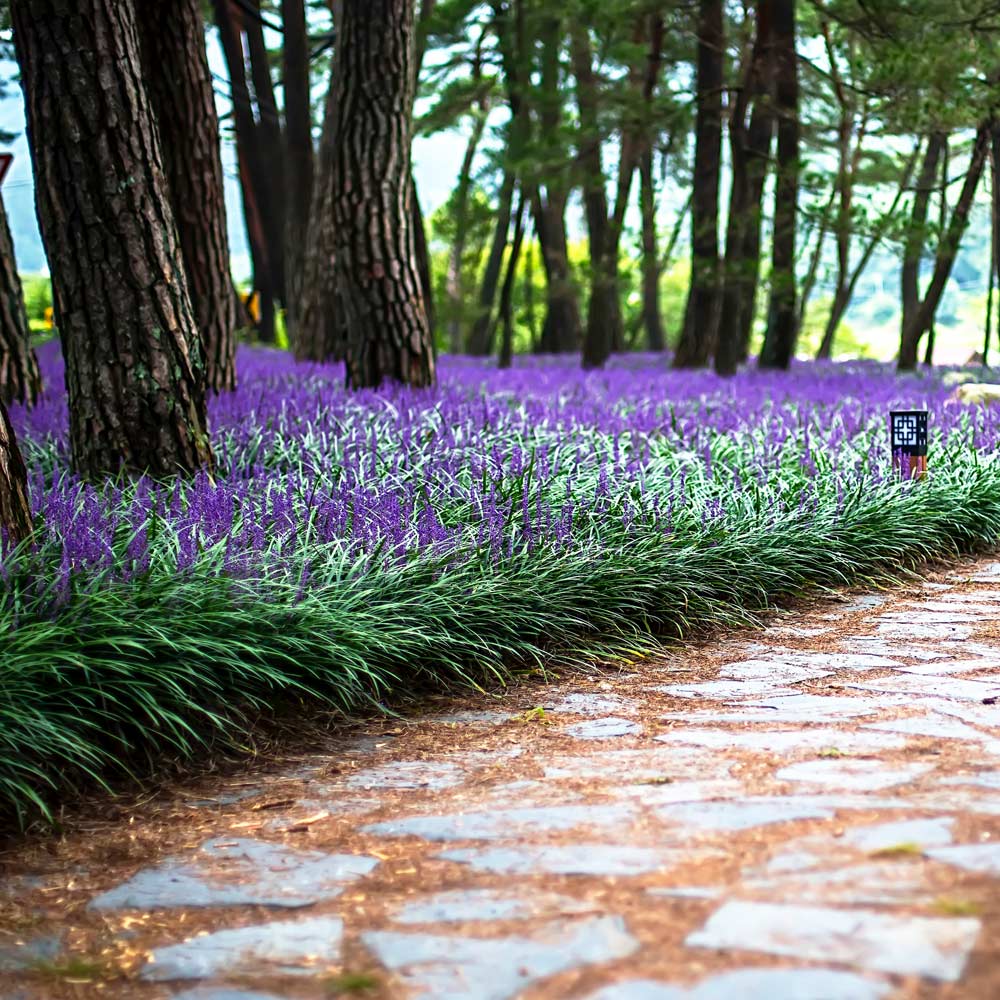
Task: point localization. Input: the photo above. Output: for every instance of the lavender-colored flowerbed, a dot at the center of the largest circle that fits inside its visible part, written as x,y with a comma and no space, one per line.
352,544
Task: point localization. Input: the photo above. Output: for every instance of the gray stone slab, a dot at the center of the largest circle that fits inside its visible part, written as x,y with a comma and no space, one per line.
433,775
934,726
742,814
680,791
915,630
226,798
933,947
774,672
924,615
888,883
934,832
982,858
860,775
290,947
914,685
483,717
592,703
864,602
609,860
467,968
985,779
688,892
987,716
618,766
461,905
755,984
603,729
724,690
796,708
963,596
223,993
893,649
784,741
506,824
942,668
949,605
245,873
27,953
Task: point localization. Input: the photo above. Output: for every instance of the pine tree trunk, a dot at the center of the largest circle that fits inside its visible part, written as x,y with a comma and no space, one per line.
388,335
698,338
319,333
782,327
916,233
179,85
20,379
750,147
15,511
480,336
298,154
134,371
454,280
604,320
652,320
272,150
423,253
253,180
923,318
506,314
562,327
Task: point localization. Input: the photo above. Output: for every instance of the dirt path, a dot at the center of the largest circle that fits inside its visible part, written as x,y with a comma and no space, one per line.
807,813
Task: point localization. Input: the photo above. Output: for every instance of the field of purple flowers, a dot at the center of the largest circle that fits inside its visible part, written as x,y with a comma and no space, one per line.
353,545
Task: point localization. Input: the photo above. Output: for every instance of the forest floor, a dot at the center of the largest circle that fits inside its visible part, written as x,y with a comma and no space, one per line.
808,812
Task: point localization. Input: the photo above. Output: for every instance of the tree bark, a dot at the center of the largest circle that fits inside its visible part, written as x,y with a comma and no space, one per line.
272,150
298,154
15,511
994,234
604,320
750,147
779,340
20,379
506,316
481,334
916,233
388,335
701,320
253,180
179,84
319,333
652,319
455,279
134,371
947,251
423,254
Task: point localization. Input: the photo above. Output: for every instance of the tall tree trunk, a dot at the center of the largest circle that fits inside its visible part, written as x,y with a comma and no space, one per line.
455,279
604,321
916,233
179,84
253,179
480,336
423,254
947,251
750,148
652,319
133,363
779,340
994,234
846,293
701,319
506,315
15,511
298,154
562,327
388,335
20,379
272,148
319,334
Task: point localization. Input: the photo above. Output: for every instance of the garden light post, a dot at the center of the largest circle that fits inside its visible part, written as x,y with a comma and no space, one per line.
908,434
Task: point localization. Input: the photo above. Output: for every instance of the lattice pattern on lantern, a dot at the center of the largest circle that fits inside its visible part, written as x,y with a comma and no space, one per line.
908,434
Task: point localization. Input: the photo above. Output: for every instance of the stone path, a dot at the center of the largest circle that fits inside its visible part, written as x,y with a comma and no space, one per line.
811,812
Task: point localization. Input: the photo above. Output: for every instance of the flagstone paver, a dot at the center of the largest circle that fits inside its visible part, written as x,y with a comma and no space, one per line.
811,812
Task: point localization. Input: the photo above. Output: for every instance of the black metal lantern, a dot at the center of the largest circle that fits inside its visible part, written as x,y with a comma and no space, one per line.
908,434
